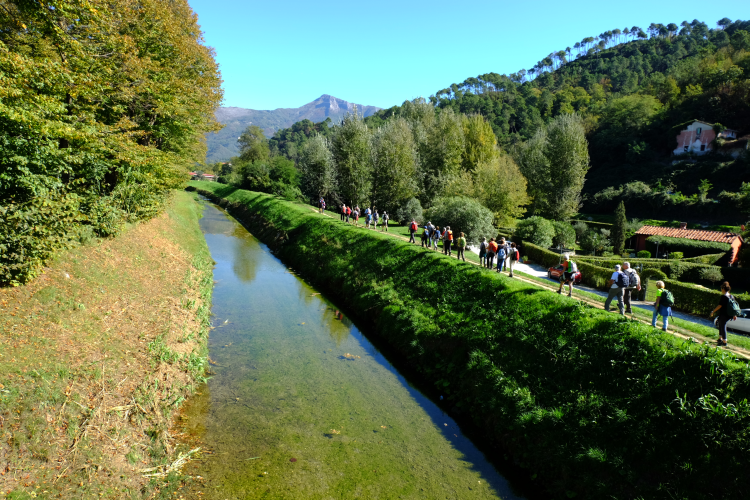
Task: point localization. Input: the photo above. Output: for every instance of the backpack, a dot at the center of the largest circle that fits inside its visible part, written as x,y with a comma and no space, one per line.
667,299
733,308
482,247
572,267
413,226
513,254
622,280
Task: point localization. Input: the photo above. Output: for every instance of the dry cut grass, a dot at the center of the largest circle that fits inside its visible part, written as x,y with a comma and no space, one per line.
96,354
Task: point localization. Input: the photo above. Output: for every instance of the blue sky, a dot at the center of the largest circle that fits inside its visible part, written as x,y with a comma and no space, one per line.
276,54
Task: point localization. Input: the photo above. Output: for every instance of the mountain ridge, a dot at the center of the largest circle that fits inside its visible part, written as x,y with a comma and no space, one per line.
223,144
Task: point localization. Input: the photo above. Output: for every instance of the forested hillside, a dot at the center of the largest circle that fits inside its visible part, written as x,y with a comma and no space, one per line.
103,108
629,90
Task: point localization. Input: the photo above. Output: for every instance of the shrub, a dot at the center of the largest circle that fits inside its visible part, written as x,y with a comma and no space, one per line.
712,274
580,228
536,230
644,254
595,242
411,210
565,235
463,214
676,255
691,248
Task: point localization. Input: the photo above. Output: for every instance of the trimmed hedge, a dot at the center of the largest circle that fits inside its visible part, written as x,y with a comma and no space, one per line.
691,248
697,300
593,404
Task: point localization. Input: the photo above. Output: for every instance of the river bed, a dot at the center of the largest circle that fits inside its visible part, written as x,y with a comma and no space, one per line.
302,406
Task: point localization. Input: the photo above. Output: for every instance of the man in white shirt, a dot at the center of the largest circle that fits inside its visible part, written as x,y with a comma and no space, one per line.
615,291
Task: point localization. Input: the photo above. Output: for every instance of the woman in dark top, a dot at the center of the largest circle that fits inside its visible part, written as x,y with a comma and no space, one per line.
725,310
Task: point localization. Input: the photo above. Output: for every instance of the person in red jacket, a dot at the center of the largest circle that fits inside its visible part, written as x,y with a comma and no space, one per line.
413,229
491,251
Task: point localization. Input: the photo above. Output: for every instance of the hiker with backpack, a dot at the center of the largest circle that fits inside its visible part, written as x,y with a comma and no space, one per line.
375,218
321,205
461,246
426,237
356,215
728,309
502,252
482,251
512,258
663,305
412,230
634,284
435,237
491,251
384,227
570,269
343,211
447,241
348,214
617,285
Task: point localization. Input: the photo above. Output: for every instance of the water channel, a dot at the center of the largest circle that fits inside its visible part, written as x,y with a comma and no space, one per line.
302,406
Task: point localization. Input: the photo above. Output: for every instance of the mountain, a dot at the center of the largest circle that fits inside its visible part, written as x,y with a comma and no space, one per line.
223,145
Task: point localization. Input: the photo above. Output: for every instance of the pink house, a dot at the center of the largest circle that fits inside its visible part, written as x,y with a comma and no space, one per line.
698,138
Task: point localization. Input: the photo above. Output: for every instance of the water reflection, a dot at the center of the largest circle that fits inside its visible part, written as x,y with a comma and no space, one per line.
301,405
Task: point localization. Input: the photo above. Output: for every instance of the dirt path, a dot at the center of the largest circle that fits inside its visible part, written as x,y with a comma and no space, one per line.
674,330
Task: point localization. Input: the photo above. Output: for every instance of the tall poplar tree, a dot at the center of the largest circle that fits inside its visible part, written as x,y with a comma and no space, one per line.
619,229
318,169
394,156
351,148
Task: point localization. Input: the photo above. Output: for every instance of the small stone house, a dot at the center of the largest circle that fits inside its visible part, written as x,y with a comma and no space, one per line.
698,138
734,240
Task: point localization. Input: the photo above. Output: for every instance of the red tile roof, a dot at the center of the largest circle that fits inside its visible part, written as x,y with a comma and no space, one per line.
690,234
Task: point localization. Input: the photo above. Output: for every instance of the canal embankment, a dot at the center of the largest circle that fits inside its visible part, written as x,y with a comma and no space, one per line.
590,404
97,353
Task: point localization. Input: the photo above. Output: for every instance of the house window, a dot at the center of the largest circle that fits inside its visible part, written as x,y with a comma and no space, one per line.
686,148
698,132
703,147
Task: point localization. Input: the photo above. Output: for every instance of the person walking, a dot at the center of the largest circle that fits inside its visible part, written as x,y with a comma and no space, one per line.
426,236
491,251
728,310
447,241
501,253
461,247
321,205
662,306
512,258
375,219
617,284
435,237
356,216
385,221
634,283
348,213
412,230
343,211
568,276
368,217
482,251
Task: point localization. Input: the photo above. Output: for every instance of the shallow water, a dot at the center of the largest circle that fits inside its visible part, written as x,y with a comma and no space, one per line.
302,406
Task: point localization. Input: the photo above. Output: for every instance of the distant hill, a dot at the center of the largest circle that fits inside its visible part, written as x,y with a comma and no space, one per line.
223,145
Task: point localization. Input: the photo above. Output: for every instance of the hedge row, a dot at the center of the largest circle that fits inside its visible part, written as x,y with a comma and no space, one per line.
691,248
592,274
697,300
592,404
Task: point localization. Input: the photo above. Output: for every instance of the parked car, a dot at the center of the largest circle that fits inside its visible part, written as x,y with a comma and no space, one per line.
555,272
740,325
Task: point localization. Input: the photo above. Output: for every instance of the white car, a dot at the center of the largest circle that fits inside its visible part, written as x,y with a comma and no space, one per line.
740,325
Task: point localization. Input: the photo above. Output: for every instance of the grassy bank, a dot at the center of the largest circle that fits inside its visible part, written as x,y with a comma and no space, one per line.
591,404
96,354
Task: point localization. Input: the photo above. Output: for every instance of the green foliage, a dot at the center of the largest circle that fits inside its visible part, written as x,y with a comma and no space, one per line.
410,211
712,274
318,169
290,142
276,175
595,241
394,158
565,235
688,247
619,230
351,149
253,145
610,392
644,254
580,228
103,107
676,255
463,215
537,230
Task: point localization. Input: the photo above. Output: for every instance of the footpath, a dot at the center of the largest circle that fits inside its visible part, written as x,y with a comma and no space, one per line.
527,273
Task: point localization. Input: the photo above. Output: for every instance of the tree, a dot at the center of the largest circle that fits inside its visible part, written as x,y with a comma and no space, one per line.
500,186
480,143
253,144
394,160
318,169
703,188
441,153
411,210
351,148
462,214
724,22
712,274
536,230
566,151
565,235
619,229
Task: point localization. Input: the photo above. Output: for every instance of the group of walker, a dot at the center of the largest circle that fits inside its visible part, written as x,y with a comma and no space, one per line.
621,284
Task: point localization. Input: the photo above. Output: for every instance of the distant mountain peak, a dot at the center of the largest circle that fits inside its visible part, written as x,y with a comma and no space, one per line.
223,144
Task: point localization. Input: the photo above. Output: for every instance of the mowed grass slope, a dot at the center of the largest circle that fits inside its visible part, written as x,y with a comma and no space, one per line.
592,404
96,353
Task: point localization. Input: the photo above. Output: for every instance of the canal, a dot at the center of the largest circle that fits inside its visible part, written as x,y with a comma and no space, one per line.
302,406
